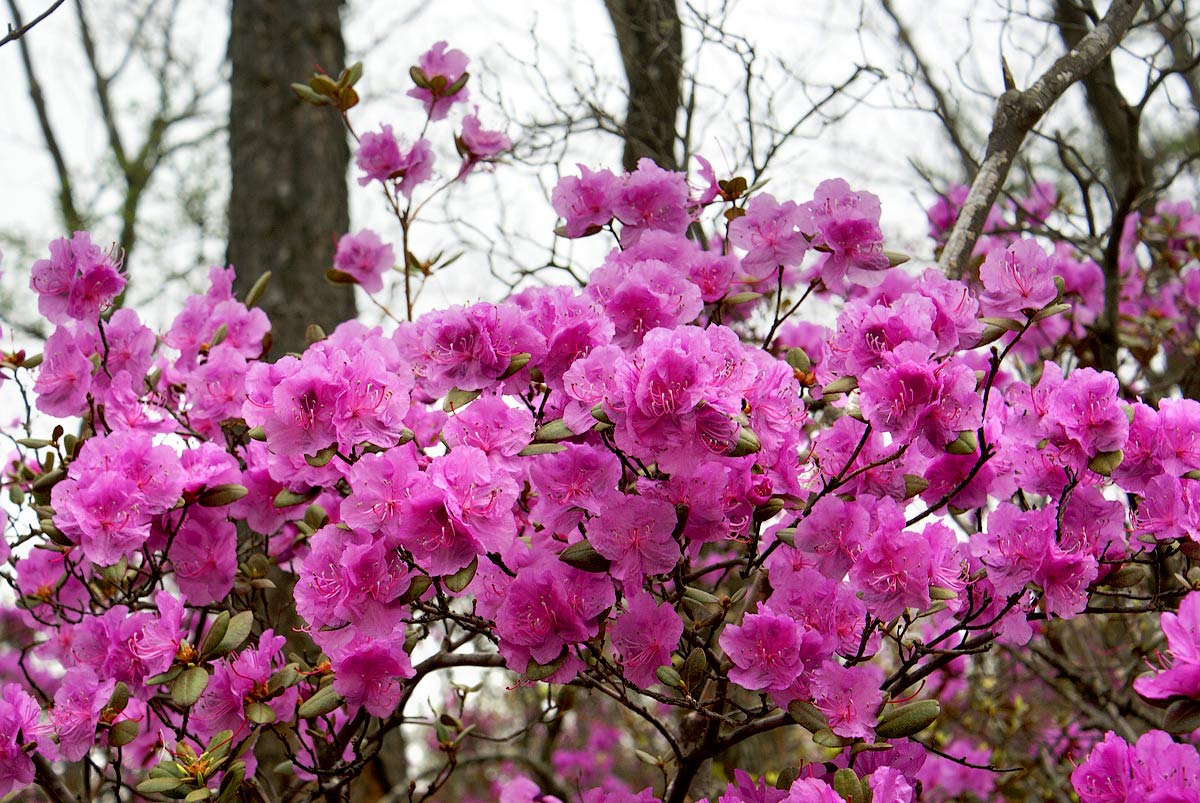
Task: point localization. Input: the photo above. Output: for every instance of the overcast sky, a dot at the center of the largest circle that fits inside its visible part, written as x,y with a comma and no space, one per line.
520,50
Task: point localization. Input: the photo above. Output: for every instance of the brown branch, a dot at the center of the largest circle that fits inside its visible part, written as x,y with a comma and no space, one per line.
1016,114
72,220
16,30
942,109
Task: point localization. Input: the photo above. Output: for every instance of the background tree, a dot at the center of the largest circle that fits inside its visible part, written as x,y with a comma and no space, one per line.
288,199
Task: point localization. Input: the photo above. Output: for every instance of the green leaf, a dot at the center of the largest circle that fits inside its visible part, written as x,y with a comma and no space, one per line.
188,687
827,738
1182,716
164,677
1104,463
260,713
457,399
201,794
583,556
843,385
221,495
462,578
1053,309
237,633
123,732
535,671
417,587
1007,324
216,633
807,715
260,287
322,702
286,498
965,444
157,786
553,431
908,720
742,298
516,363
541,448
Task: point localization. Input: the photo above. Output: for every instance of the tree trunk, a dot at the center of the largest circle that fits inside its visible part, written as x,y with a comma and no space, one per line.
288,200
650,36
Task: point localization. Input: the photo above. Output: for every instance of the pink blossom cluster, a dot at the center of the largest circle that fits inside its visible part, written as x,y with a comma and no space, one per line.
591,486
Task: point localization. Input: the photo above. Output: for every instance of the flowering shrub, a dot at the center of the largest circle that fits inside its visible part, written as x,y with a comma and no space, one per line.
665,492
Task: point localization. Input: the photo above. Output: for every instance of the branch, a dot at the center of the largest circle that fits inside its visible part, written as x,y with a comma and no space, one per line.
16,30
1016,114
942,108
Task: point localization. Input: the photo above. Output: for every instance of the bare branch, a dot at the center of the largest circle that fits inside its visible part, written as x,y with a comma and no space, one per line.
16,30
1016,114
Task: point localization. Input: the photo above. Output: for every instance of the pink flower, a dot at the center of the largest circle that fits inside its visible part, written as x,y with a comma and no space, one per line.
771,652
365,257
586,202
19,725
635,534
644,638
848,697
477,144
441,69
1016,279
77,706
846,223
65,376
770,235
652,198
1180,676
76,282
369,672
378,156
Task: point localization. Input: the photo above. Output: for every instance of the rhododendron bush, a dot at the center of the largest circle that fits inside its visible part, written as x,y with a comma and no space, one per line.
643,524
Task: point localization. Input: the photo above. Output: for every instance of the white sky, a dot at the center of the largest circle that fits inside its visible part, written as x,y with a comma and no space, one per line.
819,40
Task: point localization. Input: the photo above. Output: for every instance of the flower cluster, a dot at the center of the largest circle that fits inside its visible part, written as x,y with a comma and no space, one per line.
660,486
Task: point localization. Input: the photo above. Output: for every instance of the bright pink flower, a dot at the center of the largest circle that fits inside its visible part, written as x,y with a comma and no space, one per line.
772,652
378,156
441,69
651,198
769,233
77,282
365,257
370,672
204,556
477,144
64,377
644,638
846,223
1016,279
848,697
586,202
1180,676
635,534
19,725
77,706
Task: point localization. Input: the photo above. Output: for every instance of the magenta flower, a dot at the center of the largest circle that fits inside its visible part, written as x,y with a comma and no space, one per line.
204,556
635,534
644,637
476,144
848,697
1084,416
1180,676
369,672
892,571
652,198
835,531
846,223
77,706
772,652
365,257
1016,279
378,156
239,681
65,376
586,202
572,484
416,167
19,725
77,282
769,234
441,69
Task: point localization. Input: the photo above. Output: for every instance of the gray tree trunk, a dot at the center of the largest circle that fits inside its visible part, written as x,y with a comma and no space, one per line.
650,37
288,199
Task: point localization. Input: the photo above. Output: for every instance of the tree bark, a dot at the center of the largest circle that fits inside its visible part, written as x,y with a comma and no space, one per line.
288,200
1017,112
650,36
